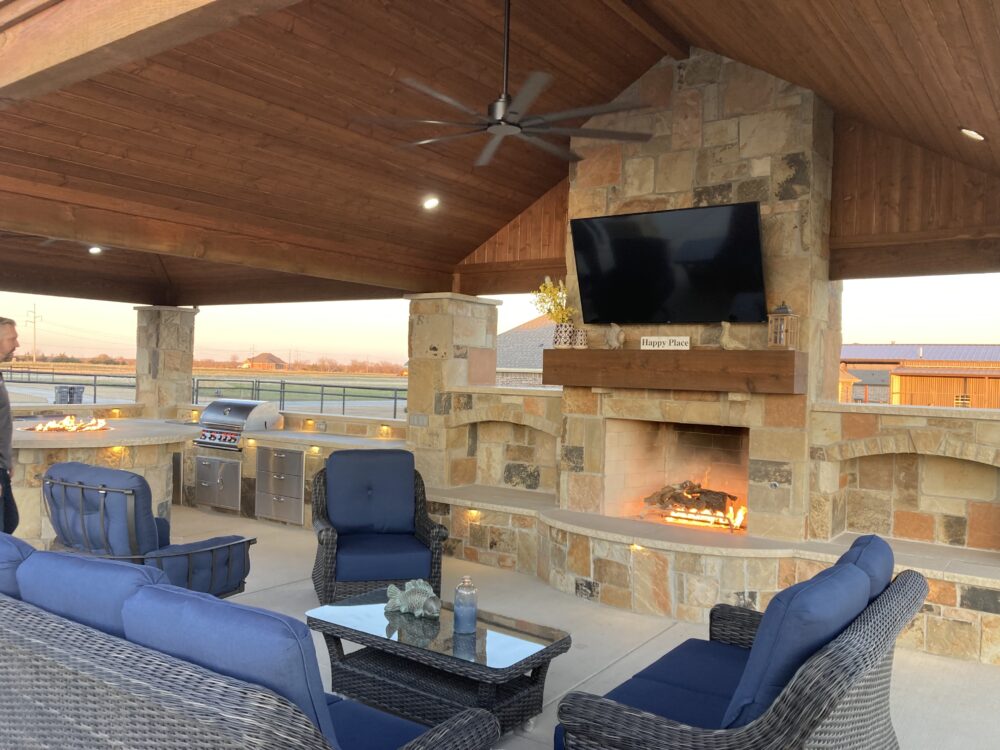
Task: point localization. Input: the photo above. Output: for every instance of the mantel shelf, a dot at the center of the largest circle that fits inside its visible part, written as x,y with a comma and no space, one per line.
744,371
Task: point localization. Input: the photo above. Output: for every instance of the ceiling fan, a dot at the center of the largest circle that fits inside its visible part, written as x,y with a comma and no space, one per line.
509,117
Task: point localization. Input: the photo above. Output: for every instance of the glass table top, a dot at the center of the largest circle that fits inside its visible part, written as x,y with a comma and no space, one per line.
498,642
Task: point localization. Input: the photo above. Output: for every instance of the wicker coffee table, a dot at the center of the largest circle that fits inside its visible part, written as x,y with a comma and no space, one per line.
421,670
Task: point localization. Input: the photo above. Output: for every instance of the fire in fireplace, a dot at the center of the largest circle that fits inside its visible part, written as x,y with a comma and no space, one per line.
690,504
69,424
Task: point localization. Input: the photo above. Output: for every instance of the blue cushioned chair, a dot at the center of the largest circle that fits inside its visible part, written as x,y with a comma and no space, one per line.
269,649
370,517
109,513
13,552
812,671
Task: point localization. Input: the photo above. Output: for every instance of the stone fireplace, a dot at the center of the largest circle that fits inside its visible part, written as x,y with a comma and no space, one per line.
642,458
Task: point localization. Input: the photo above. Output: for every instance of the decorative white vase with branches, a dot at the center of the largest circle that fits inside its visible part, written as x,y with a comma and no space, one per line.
550,300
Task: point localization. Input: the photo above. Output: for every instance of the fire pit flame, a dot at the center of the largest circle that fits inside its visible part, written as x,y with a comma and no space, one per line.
70,424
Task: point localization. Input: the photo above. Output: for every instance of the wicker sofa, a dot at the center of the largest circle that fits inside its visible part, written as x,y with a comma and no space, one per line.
102,654
813,671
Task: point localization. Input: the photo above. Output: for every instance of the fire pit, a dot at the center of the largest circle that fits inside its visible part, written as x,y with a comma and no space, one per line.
69,424
690,504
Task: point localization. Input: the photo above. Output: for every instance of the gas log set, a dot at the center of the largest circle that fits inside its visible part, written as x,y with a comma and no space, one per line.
690,504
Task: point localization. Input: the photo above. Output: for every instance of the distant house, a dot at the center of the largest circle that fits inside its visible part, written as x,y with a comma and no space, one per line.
925,374
264,361
519,352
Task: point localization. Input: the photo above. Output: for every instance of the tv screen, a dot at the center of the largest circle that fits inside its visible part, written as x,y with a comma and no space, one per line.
693,265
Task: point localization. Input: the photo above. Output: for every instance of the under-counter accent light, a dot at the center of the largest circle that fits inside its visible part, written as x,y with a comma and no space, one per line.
116,412
251,441
973,134
117,450
314,449
473,515
310,423
636,547
384,431
95,250
195,414
431,202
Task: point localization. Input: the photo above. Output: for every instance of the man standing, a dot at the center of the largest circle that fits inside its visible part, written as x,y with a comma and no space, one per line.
8,508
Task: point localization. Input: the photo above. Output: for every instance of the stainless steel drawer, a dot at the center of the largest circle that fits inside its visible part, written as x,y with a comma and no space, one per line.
280,461
280,508
286,485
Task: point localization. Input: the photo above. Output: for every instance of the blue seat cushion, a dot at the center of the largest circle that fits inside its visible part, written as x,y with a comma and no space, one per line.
250,644
382,557
85,589
370,491
700,666
189,567
77,515
798,622
874,556
13,552
689,707
361,727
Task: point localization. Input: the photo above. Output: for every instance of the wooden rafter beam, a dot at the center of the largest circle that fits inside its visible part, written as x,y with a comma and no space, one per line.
16,11
652,26
49,48
52,212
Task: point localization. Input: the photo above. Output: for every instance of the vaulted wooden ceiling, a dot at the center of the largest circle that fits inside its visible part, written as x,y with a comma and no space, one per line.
242,139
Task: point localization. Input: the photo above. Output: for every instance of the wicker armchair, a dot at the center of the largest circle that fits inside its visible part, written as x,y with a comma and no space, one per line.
838,699
324,575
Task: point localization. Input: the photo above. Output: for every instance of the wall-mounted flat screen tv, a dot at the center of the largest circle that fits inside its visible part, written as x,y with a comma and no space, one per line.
693,265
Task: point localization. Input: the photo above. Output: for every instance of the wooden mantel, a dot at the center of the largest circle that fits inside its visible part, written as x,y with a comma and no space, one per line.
769,371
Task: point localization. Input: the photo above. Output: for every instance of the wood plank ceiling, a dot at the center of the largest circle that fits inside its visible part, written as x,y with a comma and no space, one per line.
270,130
261,146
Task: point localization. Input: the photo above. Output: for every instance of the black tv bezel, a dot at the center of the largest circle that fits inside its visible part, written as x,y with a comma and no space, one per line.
760,255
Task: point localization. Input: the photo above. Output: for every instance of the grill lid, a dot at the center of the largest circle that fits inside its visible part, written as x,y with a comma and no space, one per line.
238,415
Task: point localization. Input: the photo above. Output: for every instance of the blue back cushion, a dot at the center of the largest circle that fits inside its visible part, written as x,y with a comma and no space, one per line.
370,491
85,589
77,514
798,622
874,556
13,552
250,644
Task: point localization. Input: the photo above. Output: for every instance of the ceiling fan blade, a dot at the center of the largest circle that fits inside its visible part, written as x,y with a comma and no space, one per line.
417,85
551,148
412,121
439,139
489,150
537,83
572,114
618,135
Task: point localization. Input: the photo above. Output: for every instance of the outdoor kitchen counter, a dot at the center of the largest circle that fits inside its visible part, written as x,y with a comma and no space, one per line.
320,439
123,432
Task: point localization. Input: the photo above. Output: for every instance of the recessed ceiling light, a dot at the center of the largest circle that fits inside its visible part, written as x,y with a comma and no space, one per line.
431,202
95,250
974,135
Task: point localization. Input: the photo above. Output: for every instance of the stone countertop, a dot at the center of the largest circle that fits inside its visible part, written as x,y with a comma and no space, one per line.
123,432
321,439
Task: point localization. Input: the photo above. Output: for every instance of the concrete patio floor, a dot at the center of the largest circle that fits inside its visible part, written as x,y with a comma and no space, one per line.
937,703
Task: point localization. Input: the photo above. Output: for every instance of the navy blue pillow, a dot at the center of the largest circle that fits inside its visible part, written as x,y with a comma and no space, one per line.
797,623
254,645
370,491
874,556
13,552
85,589
66,509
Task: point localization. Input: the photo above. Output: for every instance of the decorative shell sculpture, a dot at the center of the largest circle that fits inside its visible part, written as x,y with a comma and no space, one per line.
417,598
614,337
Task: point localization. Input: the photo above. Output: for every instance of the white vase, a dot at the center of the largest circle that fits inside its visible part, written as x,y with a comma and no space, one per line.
563,337
580,339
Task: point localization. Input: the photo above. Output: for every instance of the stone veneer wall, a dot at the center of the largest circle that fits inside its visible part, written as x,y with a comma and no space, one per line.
164,359
723,133
960,619
923,473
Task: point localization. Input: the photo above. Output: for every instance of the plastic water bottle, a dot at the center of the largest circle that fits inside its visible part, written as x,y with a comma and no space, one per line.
466,605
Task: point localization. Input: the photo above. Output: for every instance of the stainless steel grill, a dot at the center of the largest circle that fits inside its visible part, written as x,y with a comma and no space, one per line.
224,421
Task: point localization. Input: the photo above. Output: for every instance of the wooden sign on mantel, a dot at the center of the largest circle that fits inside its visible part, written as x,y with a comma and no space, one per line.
665,342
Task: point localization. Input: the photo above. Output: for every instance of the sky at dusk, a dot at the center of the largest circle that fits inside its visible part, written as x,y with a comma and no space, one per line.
942,309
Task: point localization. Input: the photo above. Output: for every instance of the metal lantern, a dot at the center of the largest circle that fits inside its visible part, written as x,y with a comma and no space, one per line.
782,328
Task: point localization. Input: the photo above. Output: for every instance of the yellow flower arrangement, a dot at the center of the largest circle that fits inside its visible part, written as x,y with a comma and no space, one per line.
550,300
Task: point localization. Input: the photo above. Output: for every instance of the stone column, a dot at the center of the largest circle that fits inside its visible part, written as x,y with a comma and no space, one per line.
164,358
452,345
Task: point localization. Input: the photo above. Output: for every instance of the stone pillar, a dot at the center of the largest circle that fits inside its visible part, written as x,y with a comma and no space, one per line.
452,345
164,358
